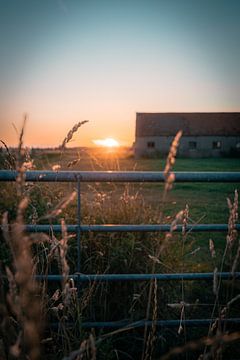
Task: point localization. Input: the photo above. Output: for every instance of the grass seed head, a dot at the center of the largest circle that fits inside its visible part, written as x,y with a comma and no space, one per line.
212,248
71,133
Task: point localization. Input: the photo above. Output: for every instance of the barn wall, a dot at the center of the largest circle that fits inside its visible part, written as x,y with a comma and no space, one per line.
204,146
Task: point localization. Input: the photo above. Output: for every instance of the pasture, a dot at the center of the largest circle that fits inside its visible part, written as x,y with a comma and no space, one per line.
206,201
102,253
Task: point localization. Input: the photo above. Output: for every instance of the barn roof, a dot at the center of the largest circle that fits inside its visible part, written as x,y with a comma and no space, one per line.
192,124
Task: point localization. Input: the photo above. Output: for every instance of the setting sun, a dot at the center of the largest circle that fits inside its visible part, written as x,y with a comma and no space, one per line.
108,142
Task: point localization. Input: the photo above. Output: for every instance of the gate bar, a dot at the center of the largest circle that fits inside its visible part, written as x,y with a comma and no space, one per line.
128,228
141,277
78,233
78,229
142,323
120,176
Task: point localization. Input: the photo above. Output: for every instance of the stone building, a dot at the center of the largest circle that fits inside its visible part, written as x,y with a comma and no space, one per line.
204,134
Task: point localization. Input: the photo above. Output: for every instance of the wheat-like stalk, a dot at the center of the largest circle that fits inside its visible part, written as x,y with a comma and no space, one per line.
71,133
236,259
169,175
10,160
60,207
232,221
169,179
22,296
152,333
212,248
230,240
196,344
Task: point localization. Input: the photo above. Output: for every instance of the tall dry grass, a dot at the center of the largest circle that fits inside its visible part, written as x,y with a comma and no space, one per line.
27,305
23,295
149,336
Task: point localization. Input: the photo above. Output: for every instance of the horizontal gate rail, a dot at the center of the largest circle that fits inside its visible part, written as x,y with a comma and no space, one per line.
120,176
141,277
129,228
141,323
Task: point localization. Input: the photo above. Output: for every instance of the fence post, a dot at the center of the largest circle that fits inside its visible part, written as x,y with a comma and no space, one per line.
78,232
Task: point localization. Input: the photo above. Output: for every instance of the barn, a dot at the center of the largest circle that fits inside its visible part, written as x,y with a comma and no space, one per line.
204,134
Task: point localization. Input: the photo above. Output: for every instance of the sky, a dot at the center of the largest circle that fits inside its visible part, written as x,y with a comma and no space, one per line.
65,61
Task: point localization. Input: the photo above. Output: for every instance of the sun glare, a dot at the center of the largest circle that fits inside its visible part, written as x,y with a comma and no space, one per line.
108,142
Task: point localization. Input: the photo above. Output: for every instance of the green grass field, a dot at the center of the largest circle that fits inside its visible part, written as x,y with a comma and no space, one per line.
130,252
206,201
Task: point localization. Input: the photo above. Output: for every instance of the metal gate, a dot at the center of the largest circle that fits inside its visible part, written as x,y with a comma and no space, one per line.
79,177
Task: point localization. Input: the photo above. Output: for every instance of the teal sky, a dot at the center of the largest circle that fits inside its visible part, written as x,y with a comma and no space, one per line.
65,61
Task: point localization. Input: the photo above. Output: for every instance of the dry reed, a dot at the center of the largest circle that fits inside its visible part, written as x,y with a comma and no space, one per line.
169,179
23,290
217,281
10,159
71,133
60,207
206,341
169,175
212,248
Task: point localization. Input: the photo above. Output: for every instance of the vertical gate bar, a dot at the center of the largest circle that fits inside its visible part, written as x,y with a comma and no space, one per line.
78,232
